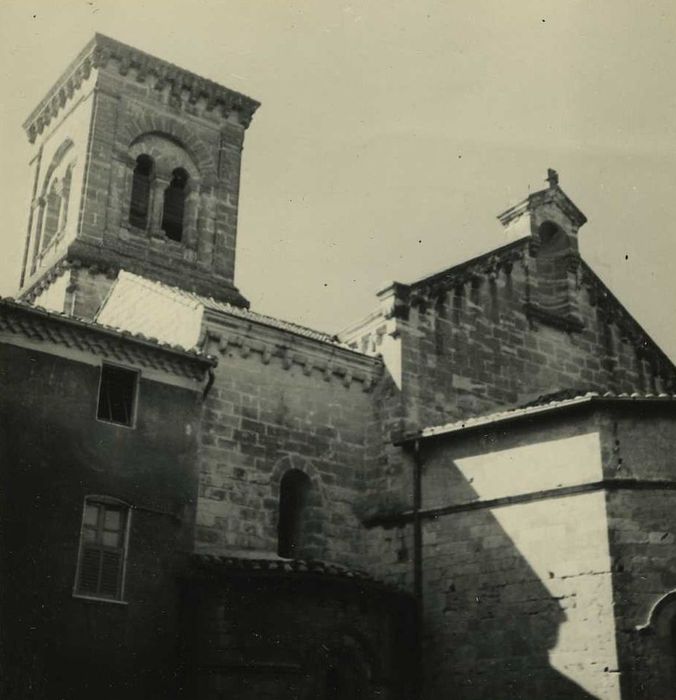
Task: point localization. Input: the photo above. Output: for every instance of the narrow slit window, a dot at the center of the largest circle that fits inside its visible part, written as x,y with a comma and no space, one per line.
293,502
117,395
140,192
103,546
174,205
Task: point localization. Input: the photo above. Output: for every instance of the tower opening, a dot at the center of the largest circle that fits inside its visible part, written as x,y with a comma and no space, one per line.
174,205
140,192
294,492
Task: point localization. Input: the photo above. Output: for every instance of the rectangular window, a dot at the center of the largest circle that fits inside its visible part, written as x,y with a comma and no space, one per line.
103,546
117,395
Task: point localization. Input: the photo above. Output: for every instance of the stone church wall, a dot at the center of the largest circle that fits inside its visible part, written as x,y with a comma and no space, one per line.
473,347
642,525
272,410
262,634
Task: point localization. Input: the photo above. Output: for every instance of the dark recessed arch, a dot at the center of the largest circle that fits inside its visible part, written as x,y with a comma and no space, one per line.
174,205
553,239
294,499
139,208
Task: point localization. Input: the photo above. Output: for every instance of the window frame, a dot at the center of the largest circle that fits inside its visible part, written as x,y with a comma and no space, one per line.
134,404
126,509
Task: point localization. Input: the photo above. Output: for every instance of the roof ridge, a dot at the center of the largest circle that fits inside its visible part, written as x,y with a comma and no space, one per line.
226,307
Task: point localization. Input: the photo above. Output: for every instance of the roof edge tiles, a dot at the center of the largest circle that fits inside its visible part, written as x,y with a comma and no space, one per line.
533,410
213,305
8,304
268,566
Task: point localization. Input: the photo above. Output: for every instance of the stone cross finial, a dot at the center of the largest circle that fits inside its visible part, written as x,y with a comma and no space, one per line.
552,177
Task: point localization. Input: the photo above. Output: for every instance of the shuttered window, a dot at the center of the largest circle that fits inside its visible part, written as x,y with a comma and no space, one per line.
103,545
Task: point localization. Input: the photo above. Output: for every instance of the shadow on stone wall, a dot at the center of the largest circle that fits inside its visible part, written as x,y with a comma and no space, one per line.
490,622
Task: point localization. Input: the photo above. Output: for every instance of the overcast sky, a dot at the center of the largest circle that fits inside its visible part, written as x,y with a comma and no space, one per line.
392,133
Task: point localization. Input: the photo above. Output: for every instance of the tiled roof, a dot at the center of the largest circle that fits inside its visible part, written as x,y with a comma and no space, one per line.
276,566
535,408
274,322
77,332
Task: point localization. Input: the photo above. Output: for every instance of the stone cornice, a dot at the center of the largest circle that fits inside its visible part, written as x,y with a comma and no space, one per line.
39,325
488,264
224,334
101,50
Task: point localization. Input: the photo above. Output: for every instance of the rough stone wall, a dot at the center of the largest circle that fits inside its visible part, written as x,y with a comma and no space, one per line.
299,636
78,291
272,409
642,524
125,111
517,587
473,347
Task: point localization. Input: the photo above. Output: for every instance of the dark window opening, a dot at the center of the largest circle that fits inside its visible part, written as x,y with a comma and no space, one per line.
140,192
117,394
336,686
174,205
553,239
102,548
293,500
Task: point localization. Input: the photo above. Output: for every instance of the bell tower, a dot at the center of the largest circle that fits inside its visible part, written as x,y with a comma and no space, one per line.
136,166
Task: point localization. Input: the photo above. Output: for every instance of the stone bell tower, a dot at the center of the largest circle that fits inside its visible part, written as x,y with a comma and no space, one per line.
136,166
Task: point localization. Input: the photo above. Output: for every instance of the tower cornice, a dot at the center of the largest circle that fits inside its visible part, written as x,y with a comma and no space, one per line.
101,51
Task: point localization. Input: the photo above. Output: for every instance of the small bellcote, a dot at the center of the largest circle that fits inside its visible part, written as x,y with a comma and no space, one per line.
552,221
549,216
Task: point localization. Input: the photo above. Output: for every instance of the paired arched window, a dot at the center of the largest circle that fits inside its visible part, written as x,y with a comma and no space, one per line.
163,176
294,497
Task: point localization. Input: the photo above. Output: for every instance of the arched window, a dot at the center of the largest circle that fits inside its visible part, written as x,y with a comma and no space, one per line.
140,192
553,239
174,205
294,492
65,196
52,213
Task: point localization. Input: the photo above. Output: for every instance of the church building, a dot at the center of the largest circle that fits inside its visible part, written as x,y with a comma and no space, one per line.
469,493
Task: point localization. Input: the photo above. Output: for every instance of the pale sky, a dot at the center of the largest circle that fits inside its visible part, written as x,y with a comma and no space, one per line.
393,132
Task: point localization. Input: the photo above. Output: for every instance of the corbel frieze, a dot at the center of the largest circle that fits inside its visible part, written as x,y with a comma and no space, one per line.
290,354
185,88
